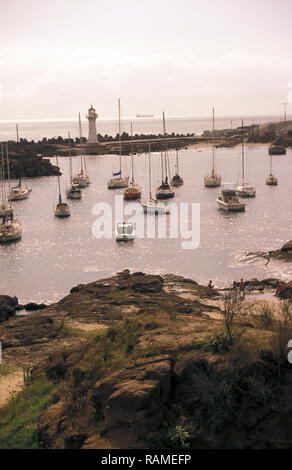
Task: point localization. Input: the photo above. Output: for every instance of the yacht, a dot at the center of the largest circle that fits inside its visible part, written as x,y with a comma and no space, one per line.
244,190
228,201
118,181
213,180
125,232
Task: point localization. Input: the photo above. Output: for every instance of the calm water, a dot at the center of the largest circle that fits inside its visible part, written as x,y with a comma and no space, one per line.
38,130
56,254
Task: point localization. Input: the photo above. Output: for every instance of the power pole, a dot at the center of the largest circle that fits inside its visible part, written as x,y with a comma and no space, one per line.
285,105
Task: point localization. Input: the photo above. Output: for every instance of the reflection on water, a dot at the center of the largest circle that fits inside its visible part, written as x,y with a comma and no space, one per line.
56,254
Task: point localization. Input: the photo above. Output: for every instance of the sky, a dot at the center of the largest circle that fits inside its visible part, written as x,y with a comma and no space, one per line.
182,56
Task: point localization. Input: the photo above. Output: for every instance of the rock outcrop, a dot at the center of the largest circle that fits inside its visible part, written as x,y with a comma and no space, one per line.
31,166
7,307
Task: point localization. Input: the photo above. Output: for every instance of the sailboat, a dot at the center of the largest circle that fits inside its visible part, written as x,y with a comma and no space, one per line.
177,180
81,179
133,191
5,207
244,190
271,180
165,190
10,228
73,192
153,206
62,208
118,181
213,179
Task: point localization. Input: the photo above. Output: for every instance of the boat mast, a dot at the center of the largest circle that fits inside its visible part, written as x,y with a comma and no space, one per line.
8,169
81,146
177,169
271,165
165,153
242,152
161,159
213,142
132,160
149,166
70,159
120,142
59,186
3,176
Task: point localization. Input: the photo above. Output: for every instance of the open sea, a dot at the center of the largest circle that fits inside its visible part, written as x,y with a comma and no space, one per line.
55,254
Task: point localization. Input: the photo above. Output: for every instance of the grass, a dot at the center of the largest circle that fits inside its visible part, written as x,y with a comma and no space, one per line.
18,419
67,331
7,369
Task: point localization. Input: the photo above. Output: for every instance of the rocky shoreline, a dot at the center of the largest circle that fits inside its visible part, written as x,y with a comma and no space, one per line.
135,361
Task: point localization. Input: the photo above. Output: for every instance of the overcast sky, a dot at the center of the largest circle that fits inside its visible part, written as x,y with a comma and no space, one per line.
182,56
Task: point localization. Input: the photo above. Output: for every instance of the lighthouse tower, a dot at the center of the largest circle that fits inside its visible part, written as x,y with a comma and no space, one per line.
92,116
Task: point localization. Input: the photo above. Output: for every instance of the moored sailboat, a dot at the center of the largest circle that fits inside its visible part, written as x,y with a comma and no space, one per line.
153,206
244,190
10,228
82,178
165,190
271,180
6,209
62,209
133,191
177,179
118,181
73,192
213,180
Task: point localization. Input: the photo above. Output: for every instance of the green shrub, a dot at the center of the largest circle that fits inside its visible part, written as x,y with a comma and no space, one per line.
18,419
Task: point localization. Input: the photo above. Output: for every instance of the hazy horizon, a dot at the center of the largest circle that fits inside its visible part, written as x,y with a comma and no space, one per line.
183,57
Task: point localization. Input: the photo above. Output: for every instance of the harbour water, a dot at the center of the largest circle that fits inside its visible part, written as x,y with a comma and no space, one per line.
55,254
36,130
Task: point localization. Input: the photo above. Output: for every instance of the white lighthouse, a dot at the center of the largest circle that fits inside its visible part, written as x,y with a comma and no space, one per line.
92,116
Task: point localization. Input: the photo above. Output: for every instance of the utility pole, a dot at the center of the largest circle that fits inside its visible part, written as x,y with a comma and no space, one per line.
285,105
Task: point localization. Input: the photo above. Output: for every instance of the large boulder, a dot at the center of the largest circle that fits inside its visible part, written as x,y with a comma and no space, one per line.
7,307
287,246
134,396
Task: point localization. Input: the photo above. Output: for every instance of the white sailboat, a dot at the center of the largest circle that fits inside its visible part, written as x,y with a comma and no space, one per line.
10,228
244,190
271,180
73,192
165,190
5,207
213,179
82,178
62,209
153,206
118,181
133,191
177,179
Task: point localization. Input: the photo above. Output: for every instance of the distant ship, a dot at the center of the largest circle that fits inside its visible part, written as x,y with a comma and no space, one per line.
144,115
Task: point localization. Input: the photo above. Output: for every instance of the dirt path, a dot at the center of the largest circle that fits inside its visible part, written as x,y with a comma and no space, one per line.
9,384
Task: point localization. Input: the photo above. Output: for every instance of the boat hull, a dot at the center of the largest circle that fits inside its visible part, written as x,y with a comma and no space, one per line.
6,211
156,209
19,195
212,181
62,210
11,232
245,193
177,181
234,207
133,192
118,183
73,194
272,181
